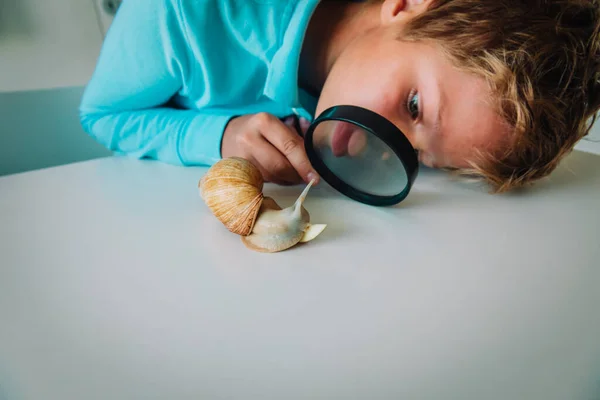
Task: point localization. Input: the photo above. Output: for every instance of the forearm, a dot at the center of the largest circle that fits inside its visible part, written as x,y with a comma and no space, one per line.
181,137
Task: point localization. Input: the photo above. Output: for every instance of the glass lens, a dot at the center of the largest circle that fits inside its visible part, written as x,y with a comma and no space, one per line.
359,158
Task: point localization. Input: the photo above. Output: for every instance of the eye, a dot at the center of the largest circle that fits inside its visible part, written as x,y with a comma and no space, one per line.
412,104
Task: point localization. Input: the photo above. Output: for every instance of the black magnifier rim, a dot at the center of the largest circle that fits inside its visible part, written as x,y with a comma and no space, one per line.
381,128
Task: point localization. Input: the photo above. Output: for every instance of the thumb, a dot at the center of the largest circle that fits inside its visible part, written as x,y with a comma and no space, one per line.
296,154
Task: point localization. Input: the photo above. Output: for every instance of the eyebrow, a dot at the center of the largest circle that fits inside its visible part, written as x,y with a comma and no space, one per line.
441,104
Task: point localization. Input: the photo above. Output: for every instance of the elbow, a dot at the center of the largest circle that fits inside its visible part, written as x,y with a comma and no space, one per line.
87,117
86,120
91,123
90,118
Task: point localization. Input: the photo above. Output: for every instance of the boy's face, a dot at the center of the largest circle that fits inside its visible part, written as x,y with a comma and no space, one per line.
445,113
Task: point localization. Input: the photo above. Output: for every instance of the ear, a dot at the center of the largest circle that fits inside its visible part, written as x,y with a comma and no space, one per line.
393,11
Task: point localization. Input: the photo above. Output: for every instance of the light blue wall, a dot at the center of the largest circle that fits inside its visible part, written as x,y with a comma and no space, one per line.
41,129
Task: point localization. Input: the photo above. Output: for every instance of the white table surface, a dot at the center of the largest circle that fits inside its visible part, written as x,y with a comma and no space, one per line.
117,283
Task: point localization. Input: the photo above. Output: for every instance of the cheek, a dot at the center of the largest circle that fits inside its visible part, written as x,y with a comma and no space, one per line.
454,147
464,144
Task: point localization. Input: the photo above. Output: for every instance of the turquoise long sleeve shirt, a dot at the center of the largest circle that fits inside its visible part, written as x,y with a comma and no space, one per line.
172,73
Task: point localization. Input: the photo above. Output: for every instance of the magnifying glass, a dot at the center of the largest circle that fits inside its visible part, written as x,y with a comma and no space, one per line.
362,155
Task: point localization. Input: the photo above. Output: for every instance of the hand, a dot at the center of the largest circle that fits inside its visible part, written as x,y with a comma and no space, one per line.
275,147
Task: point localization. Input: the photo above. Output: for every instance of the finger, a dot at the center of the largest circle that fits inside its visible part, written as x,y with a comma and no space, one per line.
304,125
291,145
275,166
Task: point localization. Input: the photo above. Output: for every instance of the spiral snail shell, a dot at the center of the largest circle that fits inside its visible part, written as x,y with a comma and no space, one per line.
232,190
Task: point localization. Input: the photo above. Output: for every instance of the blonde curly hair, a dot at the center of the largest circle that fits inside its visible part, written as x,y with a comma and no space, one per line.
541,60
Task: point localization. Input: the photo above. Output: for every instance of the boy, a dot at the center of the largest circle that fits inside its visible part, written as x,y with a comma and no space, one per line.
502,89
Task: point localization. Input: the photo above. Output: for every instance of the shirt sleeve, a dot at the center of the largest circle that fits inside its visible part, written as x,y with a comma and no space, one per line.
143,63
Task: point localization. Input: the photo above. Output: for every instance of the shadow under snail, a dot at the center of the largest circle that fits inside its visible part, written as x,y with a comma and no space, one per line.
233,191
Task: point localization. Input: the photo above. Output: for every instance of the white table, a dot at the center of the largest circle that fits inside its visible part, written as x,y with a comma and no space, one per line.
117,283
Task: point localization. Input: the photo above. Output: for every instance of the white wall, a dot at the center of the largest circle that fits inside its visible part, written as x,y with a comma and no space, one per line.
47,43
48,51
106,10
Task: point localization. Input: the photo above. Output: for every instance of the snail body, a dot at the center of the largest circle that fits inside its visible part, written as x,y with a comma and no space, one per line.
232,190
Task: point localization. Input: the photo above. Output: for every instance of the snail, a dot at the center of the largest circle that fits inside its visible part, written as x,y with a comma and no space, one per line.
233,191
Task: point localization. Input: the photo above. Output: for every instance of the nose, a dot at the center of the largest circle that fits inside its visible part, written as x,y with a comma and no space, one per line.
426,159
410,134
